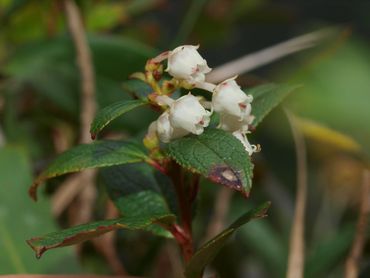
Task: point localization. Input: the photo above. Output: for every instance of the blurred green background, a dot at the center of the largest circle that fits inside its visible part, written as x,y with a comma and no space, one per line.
39,118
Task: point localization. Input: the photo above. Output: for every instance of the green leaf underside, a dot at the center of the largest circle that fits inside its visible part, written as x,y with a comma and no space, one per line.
266,98
209,250
217,155
88,231
98,154
155,192
111,112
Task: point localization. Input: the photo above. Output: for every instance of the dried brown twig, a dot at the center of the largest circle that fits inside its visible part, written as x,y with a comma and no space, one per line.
297,245
268,55
355,254
68,191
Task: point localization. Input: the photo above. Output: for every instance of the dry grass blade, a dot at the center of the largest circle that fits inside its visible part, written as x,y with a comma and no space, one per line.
105,244
296,256
218,219
266,56
352,268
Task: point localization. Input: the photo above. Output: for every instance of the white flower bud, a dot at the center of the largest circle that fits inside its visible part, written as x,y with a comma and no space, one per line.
229,99
184,62
188,114
243,139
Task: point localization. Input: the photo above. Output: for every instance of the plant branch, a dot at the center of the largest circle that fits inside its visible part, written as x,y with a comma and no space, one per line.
295,267
265,56
355,254
68,191
183,233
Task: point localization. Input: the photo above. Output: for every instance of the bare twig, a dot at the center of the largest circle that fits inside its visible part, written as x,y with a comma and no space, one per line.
217,222
361,230
297,246
105,244
84,62
266,56
77,183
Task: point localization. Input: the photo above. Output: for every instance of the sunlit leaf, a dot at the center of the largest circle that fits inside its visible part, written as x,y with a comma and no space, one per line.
217,155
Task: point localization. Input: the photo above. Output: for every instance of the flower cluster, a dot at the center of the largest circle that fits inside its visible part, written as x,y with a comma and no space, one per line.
189,113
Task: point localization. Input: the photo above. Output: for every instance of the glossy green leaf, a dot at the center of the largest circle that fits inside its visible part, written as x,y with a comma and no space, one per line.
267,97
20,218
209,250
217,155
157,192
88,231
109,113
96,155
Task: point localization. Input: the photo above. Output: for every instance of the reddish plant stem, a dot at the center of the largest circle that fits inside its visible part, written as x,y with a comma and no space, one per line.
183,233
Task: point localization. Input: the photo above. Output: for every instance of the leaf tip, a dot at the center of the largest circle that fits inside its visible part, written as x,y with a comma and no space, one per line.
227,176
39,251
92,135
32,191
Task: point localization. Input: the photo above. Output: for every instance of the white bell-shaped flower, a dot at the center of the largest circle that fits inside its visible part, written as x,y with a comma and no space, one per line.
184,62
188,114
243,139
232,123
166,132
229,99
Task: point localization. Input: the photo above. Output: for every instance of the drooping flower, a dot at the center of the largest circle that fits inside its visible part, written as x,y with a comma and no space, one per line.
231,123
233,105
229,99
184,62
243,139
187,113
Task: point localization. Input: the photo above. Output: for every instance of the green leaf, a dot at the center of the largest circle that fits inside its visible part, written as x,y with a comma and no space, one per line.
88,231
157,190
20,218
217,155
209,250
109,113
99,154
267,97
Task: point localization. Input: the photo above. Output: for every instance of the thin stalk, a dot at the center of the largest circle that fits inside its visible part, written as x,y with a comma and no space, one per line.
297,244
354,257
183,233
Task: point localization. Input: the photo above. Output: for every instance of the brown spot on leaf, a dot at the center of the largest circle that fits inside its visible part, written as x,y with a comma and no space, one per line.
227,176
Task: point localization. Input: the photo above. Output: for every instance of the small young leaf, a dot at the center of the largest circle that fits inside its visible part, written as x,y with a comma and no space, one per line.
99,154
111,112
217,155
209,250
267,97
88,231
